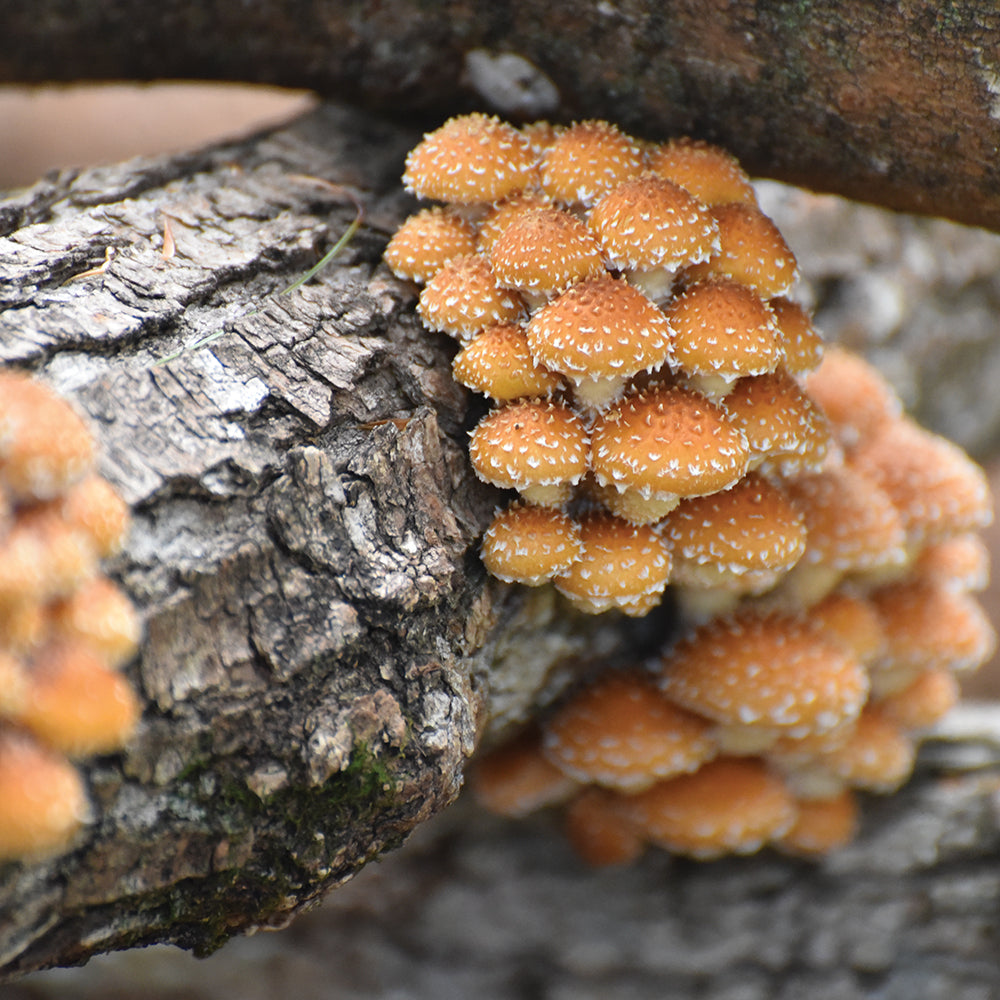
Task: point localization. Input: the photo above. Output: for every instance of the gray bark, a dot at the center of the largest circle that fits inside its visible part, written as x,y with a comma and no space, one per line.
319,630
892,103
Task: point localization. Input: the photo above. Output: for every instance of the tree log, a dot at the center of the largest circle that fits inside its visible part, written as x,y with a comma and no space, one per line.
323,649
896,104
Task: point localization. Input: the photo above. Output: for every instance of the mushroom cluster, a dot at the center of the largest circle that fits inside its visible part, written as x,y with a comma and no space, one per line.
624,307
65,629
668,416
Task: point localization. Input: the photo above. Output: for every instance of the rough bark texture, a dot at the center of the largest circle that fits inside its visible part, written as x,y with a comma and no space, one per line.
318,624
323,648
893,103
477,907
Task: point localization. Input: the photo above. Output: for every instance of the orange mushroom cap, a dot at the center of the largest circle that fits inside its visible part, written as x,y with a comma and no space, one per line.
499,216
649,222
425,242
621,732
44,446
23,626
598,334
621,564
43,557
93,508
535,447
711,174
13,681
544,251
99,615
743,537
667,443
598,830
802,345
722,331
516,778
464,297
928,628
529,544
938,490
786,432
960,562
76,704
587,159
924,701
776,673
471,159
822,825
854,621
728,806
751,250
498,363
42,798
877,756
851,524
854,395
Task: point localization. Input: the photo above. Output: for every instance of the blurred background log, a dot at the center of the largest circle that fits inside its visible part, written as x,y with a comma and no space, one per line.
895,104
500,910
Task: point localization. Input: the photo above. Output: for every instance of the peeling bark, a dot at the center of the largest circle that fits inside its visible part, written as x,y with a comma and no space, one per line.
891,103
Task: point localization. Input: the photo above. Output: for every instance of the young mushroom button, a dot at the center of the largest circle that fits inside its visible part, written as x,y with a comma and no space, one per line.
785,430
44,446
598,829
530,545
544,251
42,798
622,566
821,825
427,241
729,806
711,174
752,251
516,778
464,297
723,331
741,539
938,490
498,363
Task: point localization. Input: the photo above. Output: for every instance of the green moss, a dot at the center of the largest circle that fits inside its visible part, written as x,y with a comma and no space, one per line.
365,788
298,831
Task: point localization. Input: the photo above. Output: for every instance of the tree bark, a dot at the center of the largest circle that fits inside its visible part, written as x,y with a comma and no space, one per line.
891,103
479,907
323,648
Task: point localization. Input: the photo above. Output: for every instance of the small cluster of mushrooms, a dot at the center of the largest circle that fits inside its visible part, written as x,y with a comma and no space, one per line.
65,628
668,415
